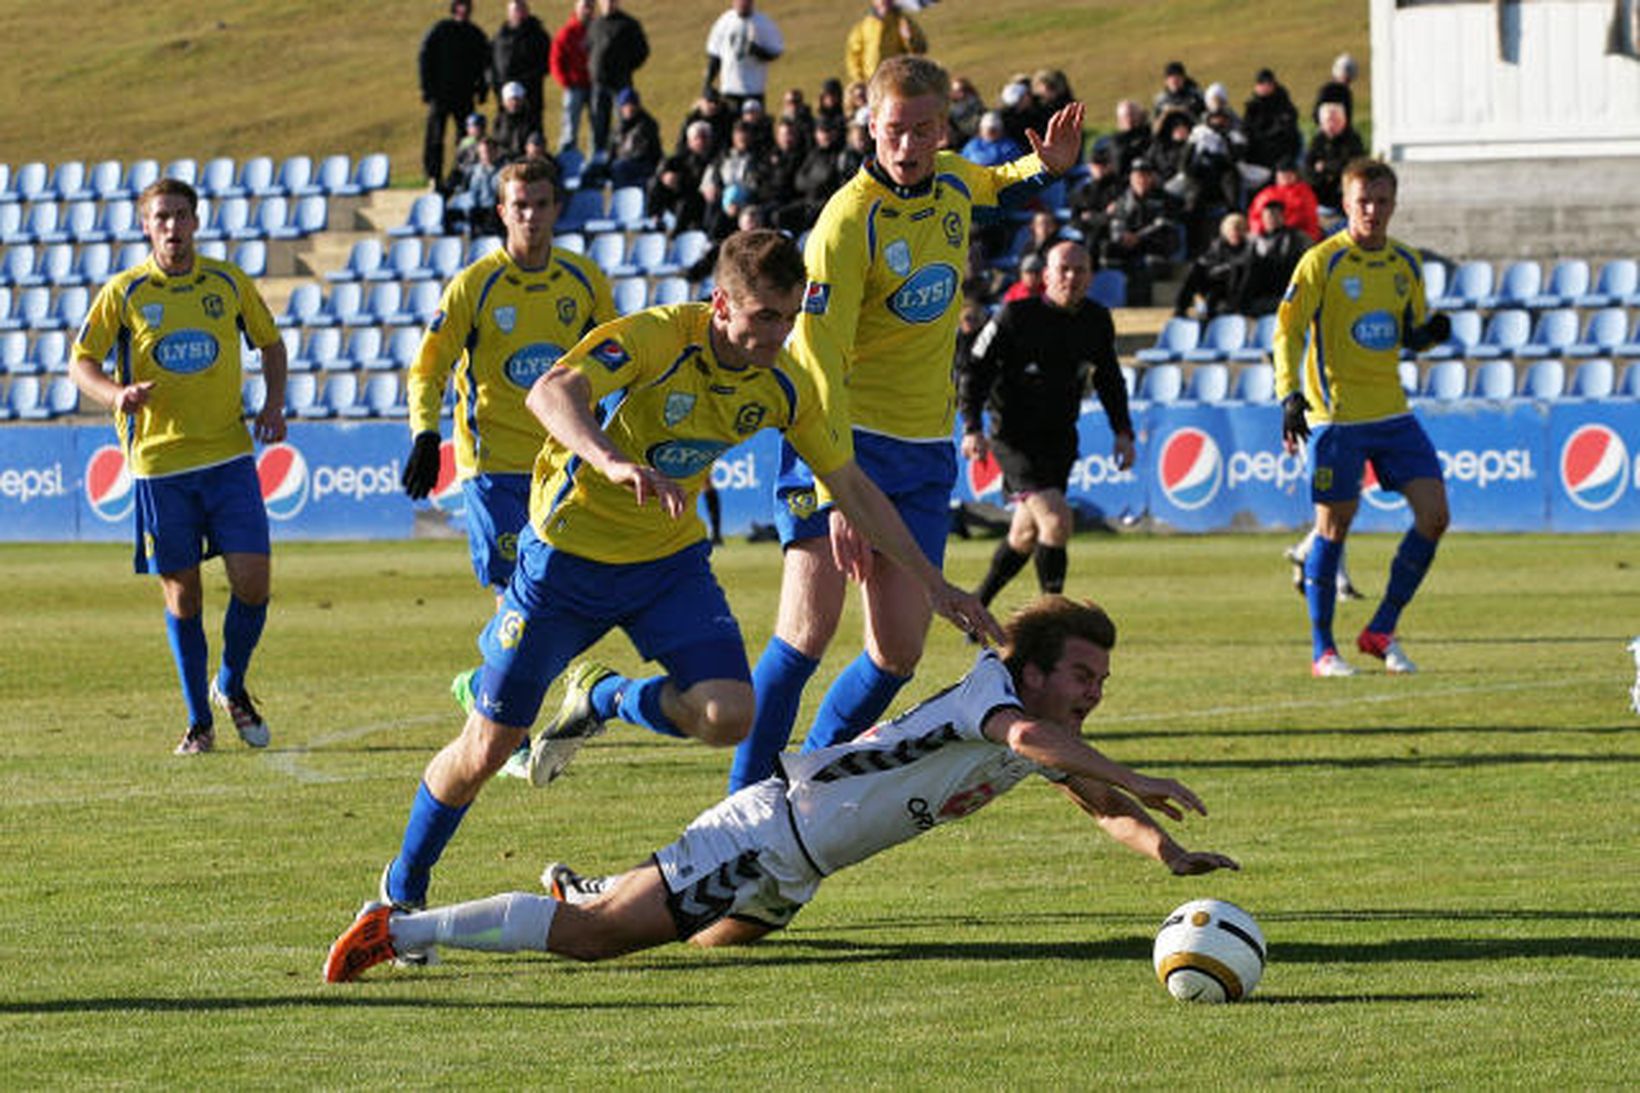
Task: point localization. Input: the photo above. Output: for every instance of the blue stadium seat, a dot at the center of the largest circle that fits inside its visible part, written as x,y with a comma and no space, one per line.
253,395
272,215
1224,335
48,352
1607,329
1408,372
1161,383
1176,336
8,192
304,307
118,218
62,398
426,217
295,176
307,216
606,251
31,307
1520,282
1445,381
582,206
39,220
319,352
1568,280
670,290
402,260
1630,346
370,173
256,177
1629,386
27,400
1554,332
185,169
18,266
1470,283
647,250
8,318
1506,331
67,182
11,220
441,261
1208,383
80,222
1435,275
1594,379
480,246
216,178
384,396
1109,287
385,305
342,396
213,248
420,305
223,219
131,255
331,177
362,344
252,257
57,266
398,350
138,177
1494,380
574,242
1466,333
14,353
362,260
302,397
1618,283
52,225
571,163
685,250
1544,380
106,180
626,211
1260,342
29,184
95,263
67,310
630,294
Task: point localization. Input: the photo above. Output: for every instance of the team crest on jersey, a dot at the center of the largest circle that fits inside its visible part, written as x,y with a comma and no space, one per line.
801,504
749,418
153,314
898,256
212,303
566,310
610,354
506,318
1352,287
678,405
816,298
952,224
510,630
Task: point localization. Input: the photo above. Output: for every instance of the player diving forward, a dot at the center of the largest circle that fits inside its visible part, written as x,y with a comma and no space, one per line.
748,865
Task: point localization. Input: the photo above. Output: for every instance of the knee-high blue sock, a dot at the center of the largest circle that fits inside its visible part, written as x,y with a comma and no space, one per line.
856,700
188,650
635,701
779,678
1406,572
1321,592
241,630
431,825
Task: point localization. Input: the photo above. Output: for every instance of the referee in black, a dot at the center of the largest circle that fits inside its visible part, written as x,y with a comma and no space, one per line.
1031,365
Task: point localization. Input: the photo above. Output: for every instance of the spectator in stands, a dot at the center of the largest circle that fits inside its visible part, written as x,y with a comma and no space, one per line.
1213,284
992,146
795,108
568,60
522,52
739,47
1271,123
740,168
1274,255
483,192
829,106
817,179
1170,149
698,150
535,147
1338,89
709,108
1092,201
857,148
966,110
886,31
635,149
1296,198
1131,140
1029,284
454,62
753,115
784,161
1017,109
1212,162
854,100
1333,147
1050,93
512,124
1039,235
674,196
616,48
466,154
1179,92
1144,233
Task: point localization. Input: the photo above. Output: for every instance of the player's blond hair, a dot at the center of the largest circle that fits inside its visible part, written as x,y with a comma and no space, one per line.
167,187
527,171
1036,633
907,76
1366,171
761,258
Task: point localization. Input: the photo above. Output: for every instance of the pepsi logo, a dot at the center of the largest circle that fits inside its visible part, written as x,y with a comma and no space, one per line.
1594,467
108,484
283,474
984,475
1190,468
1374,494
446,494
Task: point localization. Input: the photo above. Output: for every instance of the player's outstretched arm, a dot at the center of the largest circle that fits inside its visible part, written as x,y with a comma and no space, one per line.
1053,745
1061,146
1126,821
561,401
94,384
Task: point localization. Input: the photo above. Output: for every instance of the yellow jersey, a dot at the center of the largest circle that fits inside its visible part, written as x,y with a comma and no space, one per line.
181,333
1354,307
879,322
665,400
501,326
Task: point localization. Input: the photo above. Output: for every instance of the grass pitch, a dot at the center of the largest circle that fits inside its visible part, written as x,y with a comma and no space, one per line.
1444,865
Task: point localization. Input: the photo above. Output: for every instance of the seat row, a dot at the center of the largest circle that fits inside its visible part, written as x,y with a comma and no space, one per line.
411,258
61,265
1522,284
1444,381
118,222
258,176
588,210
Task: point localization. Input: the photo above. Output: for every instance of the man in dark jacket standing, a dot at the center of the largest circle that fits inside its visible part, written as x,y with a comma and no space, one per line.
616,48
1271,122
522,50
454,62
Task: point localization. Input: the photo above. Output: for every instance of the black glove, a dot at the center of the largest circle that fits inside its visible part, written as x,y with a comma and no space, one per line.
421,469
1436,330
1294,428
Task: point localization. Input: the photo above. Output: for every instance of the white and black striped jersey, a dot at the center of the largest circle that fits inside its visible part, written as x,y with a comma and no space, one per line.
930,765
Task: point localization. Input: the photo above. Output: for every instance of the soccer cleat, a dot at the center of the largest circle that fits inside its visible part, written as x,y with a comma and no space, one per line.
1330,665
198,740
1296,560
413,958
567,886
1388,650
461,689
363,945
518,763
252,729
1347,591
572,726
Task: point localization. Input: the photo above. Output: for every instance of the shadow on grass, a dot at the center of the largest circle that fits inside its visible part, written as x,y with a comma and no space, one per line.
1355,999
1378,762
1468,732
343,998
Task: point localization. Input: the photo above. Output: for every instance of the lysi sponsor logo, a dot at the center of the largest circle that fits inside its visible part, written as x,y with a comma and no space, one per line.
1594,467
926,294
683,458
32,483
109,487
1190,468
1377,331
186,351
531,362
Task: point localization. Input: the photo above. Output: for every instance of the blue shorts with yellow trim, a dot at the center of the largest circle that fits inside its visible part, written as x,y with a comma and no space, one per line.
558,604
1397,447
498,507
182,519
917,477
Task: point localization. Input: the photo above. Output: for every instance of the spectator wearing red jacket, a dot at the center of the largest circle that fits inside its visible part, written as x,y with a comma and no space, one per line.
1295,195
568,61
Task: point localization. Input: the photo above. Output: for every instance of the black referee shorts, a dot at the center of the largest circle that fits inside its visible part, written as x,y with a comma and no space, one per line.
1035,465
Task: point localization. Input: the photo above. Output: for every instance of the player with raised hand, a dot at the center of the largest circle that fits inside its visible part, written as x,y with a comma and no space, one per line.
878,331
174,324
748,865
1355,299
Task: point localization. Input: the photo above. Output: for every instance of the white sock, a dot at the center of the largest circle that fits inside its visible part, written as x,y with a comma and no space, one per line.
500,924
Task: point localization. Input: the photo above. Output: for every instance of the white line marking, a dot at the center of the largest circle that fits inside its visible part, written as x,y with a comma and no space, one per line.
292,761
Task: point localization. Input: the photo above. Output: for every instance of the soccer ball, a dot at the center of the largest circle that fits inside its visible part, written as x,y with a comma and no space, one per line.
1209,951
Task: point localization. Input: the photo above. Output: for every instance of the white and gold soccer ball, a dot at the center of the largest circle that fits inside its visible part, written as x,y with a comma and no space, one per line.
1209,951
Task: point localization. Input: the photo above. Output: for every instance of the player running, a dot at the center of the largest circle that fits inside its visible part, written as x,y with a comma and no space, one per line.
749,865
1358,297
173,324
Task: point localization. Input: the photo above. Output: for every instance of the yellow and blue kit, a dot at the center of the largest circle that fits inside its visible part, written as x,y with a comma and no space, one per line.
1353,307
180,333
668,402
501,326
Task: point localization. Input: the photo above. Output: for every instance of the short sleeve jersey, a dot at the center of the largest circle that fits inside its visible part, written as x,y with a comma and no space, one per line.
182,334
879,320
929,766
501,326
665,400
1340,326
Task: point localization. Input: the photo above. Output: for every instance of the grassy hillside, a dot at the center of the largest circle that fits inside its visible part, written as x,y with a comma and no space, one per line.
236,77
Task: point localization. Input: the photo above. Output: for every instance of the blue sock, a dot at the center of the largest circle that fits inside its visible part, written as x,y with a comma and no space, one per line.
192,659
856,700
606,695
1321,591
431,825
638,702
779,679
1406,572
241,630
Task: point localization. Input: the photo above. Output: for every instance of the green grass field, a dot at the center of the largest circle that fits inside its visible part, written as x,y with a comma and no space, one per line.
1444,865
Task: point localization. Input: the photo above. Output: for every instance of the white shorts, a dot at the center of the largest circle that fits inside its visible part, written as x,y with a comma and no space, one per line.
738,859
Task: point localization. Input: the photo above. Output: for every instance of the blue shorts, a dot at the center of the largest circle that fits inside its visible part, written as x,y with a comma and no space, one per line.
558,604
498,507
917,476
182,519
1398,447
